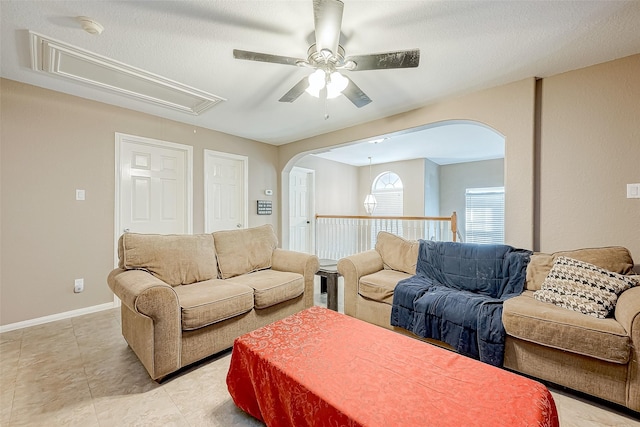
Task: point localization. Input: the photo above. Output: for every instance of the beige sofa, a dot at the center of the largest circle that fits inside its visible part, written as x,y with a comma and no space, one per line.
584,353
185,297
596,356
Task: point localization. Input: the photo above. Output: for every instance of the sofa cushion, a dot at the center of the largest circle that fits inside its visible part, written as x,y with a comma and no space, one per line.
397,253
613,258
243,251
211,301
583,287
272,287
548,325
174,259
380,285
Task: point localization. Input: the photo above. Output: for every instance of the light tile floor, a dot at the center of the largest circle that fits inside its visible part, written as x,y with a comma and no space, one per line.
80,372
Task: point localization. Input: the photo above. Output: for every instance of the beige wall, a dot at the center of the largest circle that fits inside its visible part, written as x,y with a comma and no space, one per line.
432,189
52,144
341,189
411,172
456,178
336,186
589,150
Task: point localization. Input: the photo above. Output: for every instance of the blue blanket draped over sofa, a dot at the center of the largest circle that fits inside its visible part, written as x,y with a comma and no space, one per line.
457,293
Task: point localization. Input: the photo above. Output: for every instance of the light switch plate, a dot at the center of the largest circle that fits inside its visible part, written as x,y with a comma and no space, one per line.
633,191
79,194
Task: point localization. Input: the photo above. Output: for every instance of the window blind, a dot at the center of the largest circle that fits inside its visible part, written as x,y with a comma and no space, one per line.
389,203
389,194
484,218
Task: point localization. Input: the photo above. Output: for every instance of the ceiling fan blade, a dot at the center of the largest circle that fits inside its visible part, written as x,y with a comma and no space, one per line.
296,91
327,15
355,94
265,57
387,60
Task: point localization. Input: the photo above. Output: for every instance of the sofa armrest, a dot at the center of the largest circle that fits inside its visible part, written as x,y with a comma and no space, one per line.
352,268
297,262
158,346
135,287
627,313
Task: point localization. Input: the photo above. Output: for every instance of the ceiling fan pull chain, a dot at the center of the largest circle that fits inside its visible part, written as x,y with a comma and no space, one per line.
326,108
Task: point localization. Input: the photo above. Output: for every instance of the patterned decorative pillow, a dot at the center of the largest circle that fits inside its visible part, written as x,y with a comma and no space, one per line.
583,287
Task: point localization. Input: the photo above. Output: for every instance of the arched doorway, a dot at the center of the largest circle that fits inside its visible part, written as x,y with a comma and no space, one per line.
450,144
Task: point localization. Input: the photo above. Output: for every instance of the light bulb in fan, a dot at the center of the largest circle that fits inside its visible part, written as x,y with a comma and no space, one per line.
317,81
336,85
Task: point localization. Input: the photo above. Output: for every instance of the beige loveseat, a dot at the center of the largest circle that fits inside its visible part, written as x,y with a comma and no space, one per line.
595,356
185,297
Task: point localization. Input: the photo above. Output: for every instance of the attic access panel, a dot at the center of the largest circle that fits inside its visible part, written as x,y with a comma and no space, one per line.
70,62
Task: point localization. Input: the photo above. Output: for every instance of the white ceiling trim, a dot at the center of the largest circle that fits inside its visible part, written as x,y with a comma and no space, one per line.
70,62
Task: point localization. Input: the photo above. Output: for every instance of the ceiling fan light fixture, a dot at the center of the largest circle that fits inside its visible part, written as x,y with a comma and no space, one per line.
336,85
317,81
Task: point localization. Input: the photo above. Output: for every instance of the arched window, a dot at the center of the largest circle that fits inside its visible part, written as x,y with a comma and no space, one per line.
388,190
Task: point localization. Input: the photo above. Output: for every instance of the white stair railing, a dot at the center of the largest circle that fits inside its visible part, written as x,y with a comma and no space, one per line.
338,236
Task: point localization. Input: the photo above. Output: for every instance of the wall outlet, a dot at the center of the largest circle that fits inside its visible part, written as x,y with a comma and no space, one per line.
633,191
80,194
78,286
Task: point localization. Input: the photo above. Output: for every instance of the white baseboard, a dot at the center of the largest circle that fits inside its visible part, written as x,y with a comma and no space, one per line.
58,316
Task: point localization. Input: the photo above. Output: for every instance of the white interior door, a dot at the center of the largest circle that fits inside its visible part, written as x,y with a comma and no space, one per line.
226,191
301,215
154,186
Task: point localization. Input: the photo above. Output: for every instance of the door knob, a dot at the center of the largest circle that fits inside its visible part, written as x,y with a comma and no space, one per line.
126,230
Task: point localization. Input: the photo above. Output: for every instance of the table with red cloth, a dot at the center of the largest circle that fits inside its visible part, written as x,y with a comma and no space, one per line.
322,368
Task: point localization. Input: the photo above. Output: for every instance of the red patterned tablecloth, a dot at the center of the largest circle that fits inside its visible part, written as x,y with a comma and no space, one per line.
322,368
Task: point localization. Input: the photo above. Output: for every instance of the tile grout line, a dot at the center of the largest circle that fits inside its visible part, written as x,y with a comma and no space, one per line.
15,380
84,372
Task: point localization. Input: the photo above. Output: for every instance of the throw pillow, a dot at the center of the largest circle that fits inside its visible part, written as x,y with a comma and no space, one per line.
397,253
611,258
175,259
245,250
583,287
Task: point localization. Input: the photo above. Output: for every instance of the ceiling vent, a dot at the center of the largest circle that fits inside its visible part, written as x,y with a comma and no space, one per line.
61,59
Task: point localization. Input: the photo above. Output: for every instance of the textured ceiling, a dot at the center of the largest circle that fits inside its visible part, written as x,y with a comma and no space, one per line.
465,46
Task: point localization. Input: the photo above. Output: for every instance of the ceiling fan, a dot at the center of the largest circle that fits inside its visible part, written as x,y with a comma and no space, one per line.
328,58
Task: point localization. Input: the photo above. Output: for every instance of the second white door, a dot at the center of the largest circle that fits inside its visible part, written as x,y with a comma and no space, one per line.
226,191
